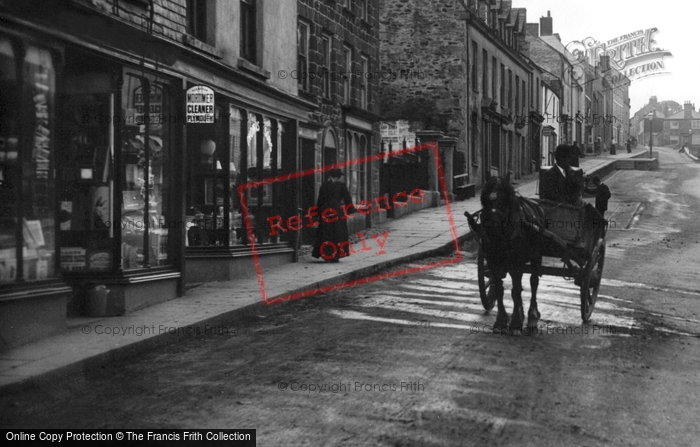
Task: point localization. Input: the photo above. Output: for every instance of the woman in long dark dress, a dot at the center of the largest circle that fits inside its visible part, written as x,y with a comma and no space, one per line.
334,229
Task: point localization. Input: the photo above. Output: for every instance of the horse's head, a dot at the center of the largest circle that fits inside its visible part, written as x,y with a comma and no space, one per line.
497,201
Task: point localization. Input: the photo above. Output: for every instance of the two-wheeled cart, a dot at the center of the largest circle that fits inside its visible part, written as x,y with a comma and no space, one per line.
573,234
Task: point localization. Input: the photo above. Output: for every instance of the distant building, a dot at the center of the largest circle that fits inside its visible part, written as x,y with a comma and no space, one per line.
661,110
683,128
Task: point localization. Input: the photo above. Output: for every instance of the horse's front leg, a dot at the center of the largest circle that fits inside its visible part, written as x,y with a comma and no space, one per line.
518,317
496,291
533,314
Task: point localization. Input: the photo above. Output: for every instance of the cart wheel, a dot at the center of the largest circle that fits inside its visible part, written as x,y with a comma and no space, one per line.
592,275
484,281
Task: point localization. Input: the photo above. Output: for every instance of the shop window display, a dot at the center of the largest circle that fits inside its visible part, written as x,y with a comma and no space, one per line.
27,232
146,145
86,175
221,156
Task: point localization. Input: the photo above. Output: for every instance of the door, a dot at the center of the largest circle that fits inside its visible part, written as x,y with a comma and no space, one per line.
308,199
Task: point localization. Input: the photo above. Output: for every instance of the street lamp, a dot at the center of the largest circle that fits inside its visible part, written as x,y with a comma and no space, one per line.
651,119
690,138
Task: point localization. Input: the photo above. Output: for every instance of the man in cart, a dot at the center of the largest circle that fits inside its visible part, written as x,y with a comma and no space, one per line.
562,183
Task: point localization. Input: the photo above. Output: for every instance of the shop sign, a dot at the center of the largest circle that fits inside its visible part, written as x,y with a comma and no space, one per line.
155,106
200,105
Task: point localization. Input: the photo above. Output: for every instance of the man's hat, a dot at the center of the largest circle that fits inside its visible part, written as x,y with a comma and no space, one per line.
562,150
198,217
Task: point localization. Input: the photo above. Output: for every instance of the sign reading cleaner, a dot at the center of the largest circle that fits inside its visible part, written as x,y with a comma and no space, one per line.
200,105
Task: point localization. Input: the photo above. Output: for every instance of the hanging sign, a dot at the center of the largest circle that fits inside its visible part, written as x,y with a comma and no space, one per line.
200,105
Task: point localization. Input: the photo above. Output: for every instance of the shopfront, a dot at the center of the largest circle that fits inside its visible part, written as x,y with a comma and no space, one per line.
117,155
32,296
89,155
240,145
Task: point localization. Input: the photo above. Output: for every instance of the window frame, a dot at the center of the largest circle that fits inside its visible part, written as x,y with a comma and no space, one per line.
303,28
196,12
362,7
364,85
474,60
325,50
484,71
347,70
248,31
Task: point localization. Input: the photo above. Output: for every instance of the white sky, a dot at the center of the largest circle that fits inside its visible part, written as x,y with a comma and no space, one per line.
606,19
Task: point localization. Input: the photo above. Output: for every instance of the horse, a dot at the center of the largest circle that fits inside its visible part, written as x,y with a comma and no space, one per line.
511,238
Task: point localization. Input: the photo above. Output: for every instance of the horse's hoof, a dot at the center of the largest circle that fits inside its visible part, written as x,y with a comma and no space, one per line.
501,320
533,318
517,319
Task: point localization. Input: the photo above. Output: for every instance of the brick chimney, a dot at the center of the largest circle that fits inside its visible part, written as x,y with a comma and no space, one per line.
546,26
653,101
533,28
688,110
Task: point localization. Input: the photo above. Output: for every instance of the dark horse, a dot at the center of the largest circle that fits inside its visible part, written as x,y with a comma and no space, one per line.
511,238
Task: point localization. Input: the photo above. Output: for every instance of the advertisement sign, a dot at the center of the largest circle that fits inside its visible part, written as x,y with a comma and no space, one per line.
200,105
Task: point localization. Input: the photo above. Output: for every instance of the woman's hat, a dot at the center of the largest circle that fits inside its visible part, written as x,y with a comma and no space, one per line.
335,173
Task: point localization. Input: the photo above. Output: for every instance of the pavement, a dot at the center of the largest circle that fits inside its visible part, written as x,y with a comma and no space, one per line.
215,306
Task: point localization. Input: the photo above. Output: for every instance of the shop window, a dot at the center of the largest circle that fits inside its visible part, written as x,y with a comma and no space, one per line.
27,232
9,159
86,191
147,144
254,143
357,151
252,140
267,143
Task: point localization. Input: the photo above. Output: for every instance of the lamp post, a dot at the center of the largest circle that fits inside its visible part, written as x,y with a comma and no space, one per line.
690,137
651,119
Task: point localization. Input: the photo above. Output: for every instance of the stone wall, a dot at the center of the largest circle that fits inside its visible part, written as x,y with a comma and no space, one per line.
423,64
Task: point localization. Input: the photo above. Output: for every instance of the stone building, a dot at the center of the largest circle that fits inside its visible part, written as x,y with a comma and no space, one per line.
338,70
464,73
